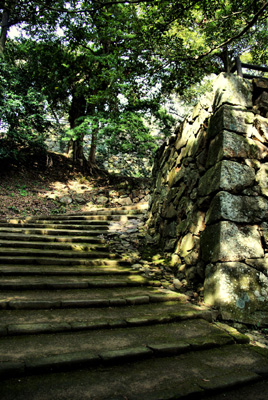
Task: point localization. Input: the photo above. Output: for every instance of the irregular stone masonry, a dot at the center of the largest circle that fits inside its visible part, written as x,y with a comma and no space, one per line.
209,202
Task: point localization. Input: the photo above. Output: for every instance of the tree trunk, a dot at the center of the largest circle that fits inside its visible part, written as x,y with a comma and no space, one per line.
225,56
75,146
91,162
92,153
4,30
75,151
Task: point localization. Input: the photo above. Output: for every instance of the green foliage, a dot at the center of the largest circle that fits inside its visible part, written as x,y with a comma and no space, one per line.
127,134
80,57
81,129
22,111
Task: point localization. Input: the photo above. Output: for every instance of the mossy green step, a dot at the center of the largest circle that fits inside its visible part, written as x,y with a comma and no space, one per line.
108,343
119,311
31,252
125,210
59,231
192,375
7,260
60,270
78,247
69,282
130,211
83,298
21,236
70,227
68,218
67,223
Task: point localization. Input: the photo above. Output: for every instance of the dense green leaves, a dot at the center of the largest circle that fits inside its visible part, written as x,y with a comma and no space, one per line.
22,112
107,66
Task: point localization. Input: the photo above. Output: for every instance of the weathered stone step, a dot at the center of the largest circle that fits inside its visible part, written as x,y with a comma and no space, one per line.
64,270
39,225
95,214
111,344
46,238
30,222
192,375
84,298
22,322
31,252
125,210
68,218
7,260
63,232
78,247
67,282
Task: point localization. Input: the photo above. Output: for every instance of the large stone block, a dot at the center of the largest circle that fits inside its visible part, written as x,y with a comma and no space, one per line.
261,125
261,264
238,290
169,212
183,135
197,222
226,241
187,244
232,89
163,158
264,230
226,175
262,179
176,175
226,206
232,119
232,145
169,230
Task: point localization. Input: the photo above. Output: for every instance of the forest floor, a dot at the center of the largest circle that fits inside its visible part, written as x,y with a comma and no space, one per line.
33,189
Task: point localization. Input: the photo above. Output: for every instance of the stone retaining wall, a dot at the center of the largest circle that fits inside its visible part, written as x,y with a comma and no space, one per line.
209,202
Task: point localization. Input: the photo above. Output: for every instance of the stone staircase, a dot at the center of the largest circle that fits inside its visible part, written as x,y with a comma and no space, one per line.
77,322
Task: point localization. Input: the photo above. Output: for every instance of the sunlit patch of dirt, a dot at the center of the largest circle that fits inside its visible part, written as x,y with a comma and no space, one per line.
56,188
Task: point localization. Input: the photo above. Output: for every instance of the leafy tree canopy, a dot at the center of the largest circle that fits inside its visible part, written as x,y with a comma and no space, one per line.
106,65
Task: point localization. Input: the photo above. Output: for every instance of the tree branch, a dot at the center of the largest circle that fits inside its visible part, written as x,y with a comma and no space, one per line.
100,5
237,36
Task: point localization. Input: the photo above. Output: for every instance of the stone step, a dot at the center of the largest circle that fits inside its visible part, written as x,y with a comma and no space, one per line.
86,298
21,236
123,210
39,225
77,247
194,374
36,251
68,218
111,344
22,322
59,231
69,282
7,260
78,323
64,270
129,211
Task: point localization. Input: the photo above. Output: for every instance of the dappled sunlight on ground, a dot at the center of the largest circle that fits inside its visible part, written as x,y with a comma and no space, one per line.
26,190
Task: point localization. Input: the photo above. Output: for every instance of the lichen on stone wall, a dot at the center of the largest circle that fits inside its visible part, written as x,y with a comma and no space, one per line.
209,203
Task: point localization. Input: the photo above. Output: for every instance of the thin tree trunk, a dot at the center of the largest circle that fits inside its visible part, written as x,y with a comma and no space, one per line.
4,30
75,151
92,153
91,162
226,60
75,146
